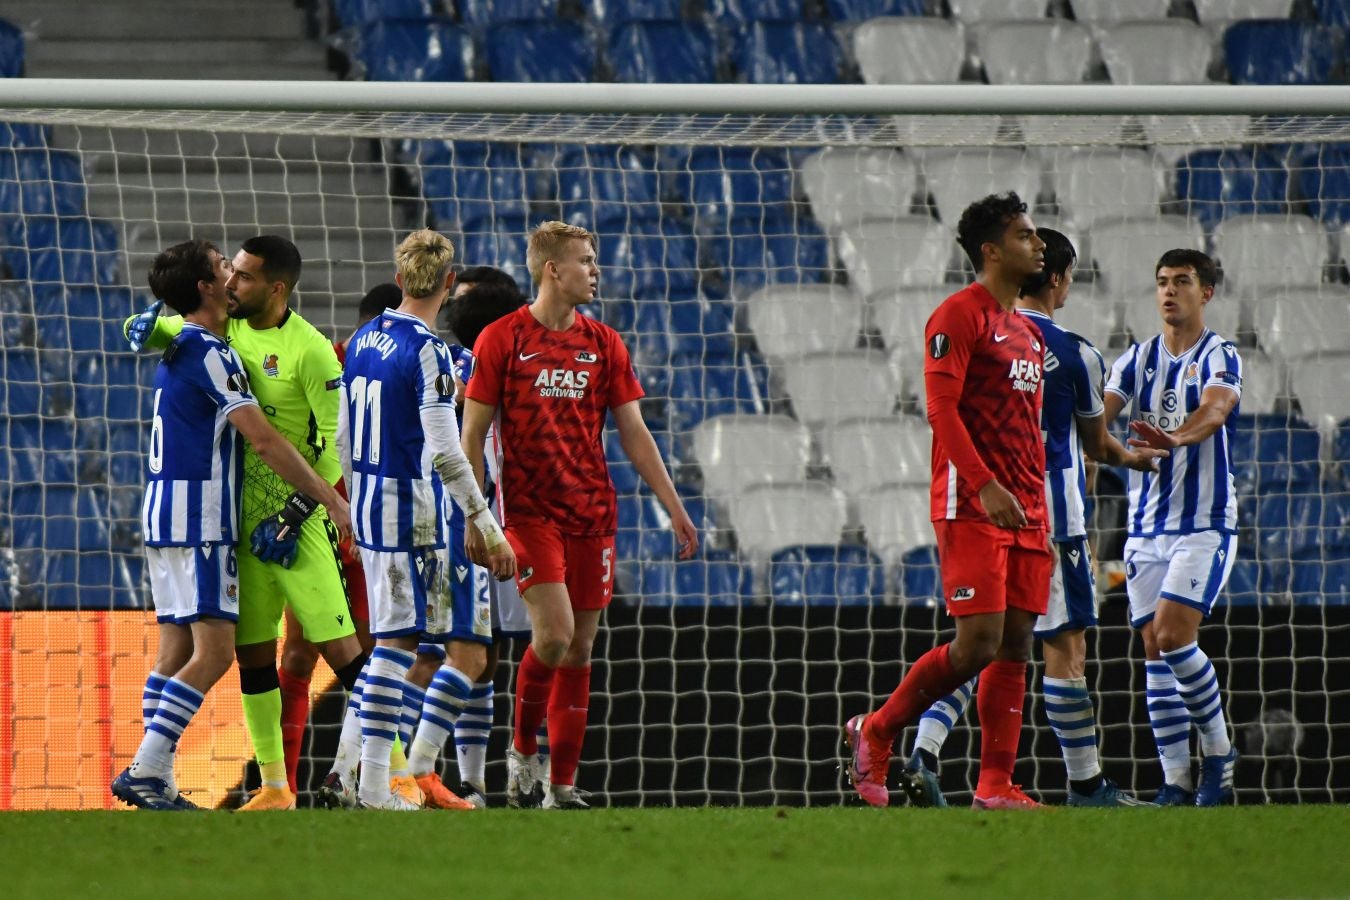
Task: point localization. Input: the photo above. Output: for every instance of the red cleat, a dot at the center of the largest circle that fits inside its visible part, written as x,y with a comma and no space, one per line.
869,760
1010,797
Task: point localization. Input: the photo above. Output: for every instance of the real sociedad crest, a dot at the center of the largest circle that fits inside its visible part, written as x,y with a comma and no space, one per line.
270,365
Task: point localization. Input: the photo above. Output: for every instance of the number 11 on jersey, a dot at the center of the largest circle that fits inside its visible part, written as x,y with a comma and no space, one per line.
364,402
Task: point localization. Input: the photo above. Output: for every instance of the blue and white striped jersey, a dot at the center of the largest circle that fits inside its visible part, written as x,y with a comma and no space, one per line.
1072,387
395,366
1193,488
194,471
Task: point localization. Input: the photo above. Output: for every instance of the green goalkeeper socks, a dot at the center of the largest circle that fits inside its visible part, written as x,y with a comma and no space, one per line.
262,715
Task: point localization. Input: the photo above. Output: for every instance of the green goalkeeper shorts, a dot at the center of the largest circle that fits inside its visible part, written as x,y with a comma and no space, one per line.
312,587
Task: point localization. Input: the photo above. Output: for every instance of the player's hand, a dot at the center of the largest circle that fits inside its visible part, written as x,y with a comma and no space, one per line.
1001,506
1151,435
277,538
501,561
474,547
340,514
1145,459
140,327
685,533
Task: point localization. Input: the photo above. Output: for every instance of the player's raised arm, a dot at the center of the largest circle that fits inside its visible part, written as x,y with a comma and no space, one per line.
642,451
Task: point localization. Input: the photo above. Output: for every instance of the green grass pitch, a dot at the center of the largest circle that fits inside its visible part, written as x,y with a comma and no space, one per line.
692,853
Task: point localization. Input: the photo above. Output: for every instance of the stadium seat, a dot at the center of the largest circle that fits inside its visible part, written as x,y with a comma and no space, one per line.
703,386
744,12
787,53
826,575
649,260
920,577
1323,178
1162,51
900,315
19,381
1287,458
1105,12
1217,184
485,13
828,387
1322,386
1264,383
737,451
363,12
1035,52
1126,250
59,517
66,250
847,186
1262,252
1092,315
862,10
1282,52
904,50
905,252
726,183
1223,315
644,526
472,187
864,454
956,178
1092,185
664,53
1231,10
768,517
776,251
17,324
551,51
996,10
693,325
42,182
11,51
503,244
414,50
614,13
1334,12
1321,581
42,450
792,320
24,134
895,518
694,582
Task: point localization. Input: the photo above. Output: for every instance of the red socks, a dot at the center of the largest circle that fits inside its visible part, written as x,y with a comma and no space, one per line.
999,698
930,678
567,708
294,717
534,684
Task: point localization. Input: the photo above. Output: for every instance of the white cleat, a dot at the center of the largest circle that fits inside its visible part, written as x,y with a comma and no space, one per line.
396,802
523,788
565,796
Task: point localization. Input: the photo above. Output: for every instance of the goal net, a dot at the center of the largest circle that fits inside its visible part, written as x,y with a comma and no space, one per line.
770,258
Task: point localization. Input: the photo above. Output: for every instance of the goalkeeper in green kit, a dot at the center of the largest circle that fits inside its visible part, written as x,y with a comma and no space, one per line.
288,554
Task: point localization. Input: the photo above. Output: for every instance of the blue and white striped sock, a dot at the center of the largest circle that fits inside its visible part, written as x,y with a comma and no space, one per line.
937,722
348,755
178,703
1069,709
381,710
413,699
1199,686
445,698
471,735
154,686
1171,723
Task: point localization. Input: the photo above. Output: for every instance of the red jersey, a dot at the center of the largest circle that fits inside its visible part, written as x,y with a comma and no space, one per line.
982,375
552,390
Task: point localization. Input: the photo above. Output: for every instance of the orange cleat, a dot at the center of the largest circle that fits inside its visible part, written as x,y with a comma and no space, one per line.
437,796
405,786
266,798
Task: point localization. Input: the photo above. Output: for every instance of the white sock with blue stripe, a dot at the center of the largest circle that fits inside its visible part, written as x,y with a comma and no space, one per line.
1198,684
348,755
413,699
381,710
445,699
1068,706
154,687
941,717
471,735
1171,723
178,703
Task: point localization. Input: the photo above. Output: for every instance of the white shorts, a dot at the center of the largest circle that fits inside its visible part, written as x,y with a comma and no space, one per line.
1190,569
510,618
190,583
399,584
1073,590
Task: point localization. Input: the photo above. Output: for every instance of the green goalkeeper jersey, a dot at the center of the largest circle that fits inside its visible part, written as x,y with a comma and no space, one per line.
295,375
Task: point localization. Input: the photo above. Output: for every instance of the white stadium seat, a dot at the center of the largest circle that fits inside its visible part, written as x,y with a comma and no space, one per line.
1306,322
1163,51
848,186
1091,315
1098,12
790,320
1266,251
740,450
907,367
829,387
1106,183
996,10
900,315
1126,250
908,251
1046,51
1322,386
864,454
896,518
957,178
909,50
1263,382
1231,10
768,517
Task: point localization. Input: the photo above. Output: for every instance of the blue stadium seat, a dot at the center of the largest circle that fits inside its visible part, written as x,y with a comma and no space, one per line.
664,53
503,246
1282,51
603,187
484,13
683,323
1334,12
11,51
17,326
649,260
1321,581
125,390
362,12
415,50
726,183
620,12
555,51
920,577
473,194
777,251
23,134
1219,183
696,582
621,471
703,386
742,12
96,580
1324,182
36,181
1243,587
1287,458
69,251
826,575
60,517
19,381
787,53
862,10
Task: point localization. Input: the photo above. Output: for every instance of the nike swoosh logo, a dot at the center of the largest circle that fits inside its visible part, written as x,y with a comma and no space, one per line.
1000,338
526,357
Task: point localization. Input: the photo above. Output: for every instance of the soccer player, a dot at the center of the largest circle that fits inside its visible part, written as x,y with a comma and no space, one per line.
295,377
1182,388
982,375
396,425
202,405
1072,421
549,375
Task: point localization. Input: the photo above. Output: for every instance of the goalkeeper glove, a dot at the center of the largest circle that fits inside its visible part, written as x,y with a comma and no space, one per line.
142,324
276,539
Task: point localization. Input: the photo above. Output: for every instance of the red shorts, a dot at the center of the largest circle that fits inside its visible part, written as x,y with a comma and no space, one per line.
585,565
986,569
352,573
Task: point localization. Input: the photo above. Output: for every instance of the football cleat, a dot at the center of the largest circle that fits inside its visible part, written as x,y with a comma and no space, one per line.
268,798
144,793
868,762
473,793
1107,794
182,802
523,790
921,785
337,793
1010,797
1216,780
395,802
564,796
436,795
405,786
1173,795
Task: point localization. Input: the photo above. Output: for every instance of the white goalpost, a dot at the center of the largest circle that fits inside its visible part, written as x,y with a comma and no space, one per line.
770,254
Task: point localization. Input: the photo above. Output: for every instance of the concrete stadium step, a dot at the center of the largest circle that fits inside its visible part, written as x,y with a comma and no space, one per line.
255,51
200,208
141,149
157,20
131,68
